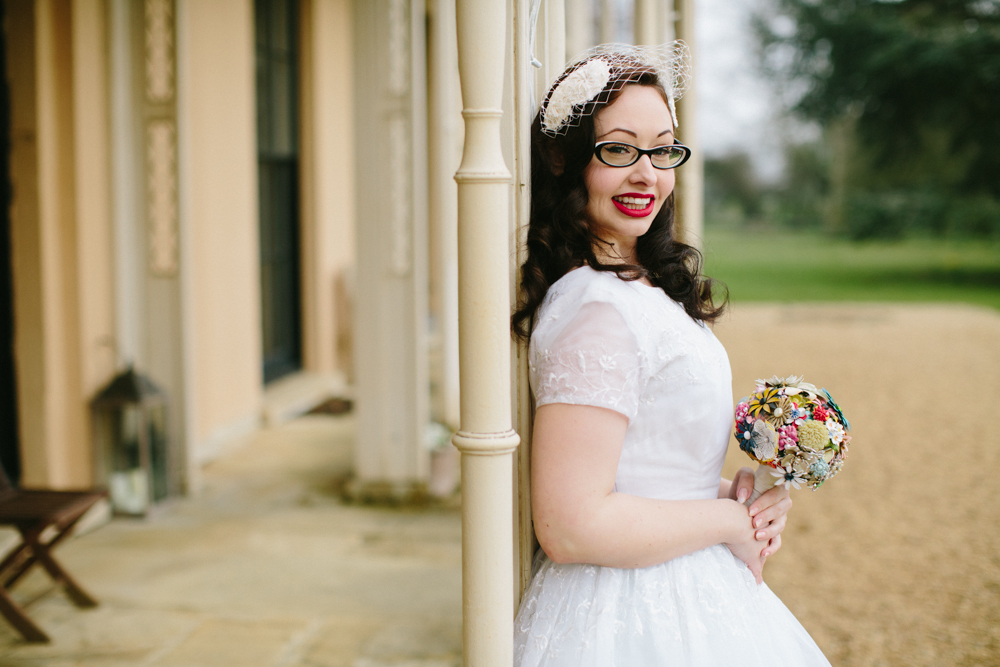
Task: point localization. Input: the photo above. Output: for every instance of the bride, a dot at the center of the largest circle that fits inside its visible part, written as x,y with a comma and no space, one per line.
648,557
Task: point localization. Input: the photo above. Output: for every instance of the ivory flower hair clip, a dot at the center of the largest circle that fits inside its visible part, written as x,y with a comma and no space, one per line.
579,87
596,73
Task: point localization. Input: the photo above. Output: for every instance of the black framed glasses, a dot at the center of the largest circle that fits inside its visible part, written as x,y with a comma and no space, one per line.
618,154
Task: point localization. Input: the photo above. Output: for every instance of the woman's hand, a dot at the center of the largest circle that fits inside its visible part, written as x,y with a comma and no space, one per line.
769,514
742,485
747,547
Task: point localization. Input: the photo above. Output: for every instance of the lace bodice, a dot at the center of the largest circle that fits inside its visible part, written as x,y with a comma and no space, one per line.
626,346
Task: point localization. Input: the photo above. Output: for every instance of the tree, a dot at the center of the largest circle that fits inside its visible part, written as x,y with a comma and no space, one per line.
917,80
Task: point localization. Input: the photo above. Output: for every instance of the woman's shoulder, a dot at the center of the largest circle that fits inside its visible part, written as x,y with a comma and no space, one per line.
581,287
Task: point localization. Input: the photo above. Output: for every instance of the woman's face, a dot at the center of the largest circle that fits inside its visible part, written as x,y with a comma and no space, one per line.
622,201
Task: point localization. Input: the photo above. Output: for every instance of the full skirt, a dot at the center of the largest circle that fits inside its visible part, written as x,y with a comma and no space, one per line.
701,609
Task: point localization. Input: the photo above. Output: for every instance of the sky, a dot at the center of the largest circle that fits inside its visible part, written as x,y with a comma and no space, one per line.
738,111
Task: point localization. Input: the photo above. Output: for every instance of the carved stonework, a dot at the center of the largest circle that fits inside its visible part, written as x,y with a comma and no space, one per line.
161,137
399,47
400,221
400,141
161,143
159,50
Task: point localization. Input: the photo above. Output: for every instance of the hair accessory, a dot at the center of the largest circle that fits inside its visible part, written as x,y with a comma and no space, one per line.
585,80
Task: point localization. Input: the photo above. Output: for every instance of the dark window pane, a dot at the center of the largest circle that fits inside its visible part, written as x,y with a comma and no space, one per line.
277,110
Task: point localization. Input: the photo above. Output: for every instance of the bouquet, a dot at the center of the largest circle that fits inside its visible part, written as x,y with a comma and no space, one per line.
796,432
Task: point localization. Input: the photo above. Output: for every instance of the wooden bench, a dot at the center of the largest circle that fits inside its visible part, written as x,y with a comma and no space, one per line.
43,518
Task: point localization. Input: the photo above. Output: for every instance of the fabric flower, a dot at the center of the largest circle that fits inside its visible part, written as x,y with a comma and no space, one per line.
763,403
836,432
764,441
832,405
813,435
777,382
788,478
579,87
788,437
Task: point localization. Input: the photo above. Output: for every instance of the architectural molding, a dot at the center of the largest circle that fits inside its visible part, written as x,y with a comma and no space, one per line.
159,38
486,439
161,136
161,169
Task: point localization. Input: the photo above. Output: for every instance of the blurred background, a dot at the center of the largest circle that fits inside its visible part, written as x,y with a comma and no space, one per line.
228,296
851,149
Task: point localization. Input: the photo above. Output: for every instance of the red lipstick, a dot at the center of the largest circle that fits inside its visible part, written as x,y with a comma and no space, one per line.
635,212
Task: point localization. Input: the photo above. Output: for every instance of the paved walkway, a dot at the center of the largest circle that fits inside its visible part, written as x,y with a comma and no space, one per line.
265,568
894,563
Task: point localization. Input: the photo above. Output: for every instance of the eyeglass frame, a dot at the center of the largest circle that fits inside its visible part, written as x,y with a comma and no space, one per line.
643,151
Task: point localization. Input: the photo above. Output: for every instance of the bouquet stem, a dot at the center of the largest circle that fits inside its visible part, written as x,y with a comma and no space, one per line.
763,481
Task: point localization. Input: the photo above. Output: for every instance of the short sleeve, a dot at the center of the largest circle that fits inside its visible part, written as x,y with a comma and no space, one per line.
594,360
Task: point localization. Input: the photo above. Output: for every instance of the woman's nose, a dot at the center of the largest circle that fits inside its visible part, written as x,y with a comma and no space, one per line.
643,171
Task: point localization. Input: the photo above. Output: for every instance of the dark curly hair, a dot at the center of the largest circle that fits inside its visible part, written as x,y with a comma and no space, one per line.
560,239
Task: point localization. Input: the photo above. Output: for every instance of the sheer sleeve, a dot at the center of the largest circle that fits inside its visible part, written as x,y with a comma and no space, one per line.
594,360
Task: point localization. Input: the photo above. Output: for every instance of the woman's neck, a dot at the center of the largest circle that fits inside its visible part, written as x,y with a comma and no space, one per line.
614,252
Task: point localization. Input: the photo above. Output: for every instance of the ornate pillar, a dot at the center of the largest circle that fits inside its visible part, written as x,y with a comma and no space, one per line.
486,438
444,152
390,317
609,21
579,27
690,177
648,27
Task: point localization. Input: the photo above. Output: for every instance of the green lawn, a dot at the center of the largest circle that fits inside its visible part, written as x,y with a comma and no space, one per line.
784,266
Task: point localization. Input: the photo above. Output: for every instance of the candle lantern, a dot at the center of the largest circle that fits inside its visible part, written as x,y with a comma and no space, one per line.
130,438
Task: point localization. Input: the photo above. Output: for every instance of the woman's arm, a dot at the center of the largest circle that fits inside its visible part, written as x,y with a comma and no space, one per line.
580,519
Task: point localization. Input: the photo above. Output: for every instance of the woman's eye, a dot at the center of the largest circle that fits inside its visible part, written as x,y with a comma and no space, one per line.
663,151
617,149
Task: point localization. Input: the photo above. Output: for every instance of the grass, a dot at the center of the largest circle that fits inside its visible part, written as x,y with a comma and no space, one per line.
782,266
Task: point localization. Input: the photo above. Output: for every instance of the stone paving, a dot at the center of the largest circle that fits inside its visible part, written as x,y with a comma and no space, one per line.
893,563
265,568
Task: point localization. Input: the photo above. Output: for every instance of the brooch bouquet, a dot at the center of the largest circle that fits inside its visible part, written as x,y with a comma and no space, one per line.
796,432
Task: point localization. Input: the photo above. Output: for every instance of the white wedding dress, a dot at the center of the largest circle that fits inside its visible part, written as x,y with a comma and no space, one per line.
602,341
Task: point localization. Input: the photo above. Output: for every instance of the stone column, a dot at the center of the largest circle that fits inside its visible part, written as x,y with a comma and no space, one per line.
486,438
579,27
609,21
444,134
690,177
390,316
647,24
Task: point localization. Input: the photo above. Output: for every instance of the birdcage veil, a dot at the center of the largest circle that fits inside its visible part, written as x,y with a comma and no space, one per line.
583,86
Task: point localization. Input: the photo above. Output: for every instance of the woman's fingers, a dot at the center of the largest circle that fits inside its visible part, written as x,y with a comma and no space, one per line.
773,546
772,512
742,485
768,498
771,530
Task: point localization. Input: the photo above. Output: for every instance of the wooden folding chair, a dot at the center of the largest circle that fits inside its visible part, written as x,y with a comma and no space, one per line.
38,514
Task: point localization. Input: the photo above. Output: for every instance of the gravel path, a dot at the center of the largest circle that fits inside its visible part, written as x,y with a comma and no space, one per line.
897,560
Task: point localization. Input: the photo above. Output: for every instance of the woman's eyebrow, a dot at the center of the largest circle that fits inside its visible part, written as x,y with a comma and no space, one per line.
619,129
622,129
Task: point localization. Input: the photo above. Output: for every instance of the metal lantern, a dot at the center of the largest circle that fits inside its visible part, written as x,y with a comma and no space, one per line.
130,438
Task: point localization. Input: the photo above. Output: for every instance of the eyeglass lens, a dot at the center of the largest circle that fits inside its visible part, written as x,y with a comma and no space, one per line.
623,155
